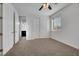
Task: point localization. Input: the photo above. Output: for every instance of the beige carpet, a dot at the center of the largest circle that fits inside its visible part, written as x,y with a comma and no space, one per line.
42,47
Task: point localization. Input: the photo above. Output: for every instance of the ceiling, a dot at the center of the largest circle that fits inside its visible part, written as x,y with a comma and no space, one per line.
32,8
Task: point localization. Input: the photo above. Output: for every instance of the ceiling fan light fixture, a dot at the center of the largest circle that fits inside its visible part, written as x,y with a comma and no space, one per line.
45,5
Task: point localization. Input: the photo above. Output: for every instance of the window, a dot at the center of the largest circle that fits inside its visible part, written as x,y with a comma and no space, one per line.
56,23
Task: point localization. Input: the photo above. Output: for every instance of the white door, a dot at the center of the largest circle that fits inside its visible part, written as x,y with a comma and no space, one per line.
7,27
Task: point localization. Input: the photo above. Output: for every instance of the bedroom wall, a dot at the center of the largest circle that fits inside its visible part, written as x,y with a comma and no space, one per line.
16,26
31,25
35,26
23,25
69,33
44,27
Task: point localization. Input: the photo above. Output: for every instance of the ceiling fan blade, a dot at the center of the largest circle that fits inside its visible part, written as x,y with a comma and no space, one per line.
49,7
41,7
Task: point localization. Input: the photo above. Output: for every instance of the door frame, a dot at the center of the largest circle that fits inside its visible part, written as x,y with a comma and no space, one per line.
13,28
19,29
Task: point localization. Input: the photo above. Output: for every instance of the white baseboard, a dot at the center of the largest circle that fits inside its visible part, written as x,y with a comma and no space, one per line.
69,44
35,38
7,49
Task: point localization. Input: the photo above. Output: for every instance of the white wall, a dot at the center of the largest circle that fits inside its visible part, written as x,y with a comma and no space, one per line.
36,26
69,33
32,27
16,27
23,24
8,11
44,27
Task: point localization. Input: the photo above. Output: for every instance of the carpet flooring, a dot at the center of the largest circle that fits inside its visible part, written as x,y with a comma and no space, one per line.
42,47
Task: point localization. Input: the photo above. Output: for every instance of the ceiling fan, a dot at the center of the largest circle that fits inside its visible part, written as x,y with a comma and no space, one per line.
46,6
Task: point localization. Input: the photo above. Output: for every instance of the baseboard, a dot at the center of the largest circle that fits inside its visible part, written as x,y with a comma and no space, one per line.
36,38
65,43
7,50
